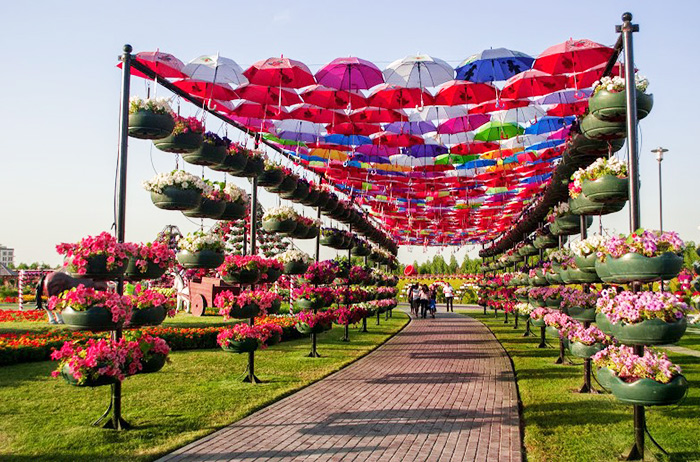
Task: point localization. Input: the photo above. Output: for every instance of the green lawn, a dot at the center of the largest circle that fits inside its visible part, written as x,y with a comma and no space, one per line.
201,391
564,426
691,340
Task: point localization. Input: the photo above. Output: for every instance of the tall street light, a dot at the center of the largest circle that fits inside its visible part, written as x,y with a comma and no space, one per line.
659,157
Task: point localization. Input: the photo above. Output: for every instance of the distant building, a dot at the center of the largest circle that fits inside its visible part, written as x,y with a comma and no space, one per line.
7,255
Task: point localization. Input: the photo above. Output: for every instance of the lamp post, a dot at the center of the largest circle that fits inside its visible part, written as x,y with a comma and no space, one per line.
659,157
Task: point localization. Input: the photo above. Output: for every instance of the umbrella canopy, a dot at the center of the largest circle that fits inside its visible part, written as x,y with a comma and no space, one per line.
207,90
317,114
572,56
354,128
263,94
457,92
244,108
493,64
493,131
414,128
564,97
533,83
439,113
215,69
397,97
548,125
418,71
332,98
520,115
350,74
281,72
375,115
463,124
163,64
348,140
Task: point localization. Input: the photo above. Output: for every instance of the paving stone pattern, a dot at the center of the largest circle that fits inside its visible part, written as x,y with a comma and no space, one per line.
442,389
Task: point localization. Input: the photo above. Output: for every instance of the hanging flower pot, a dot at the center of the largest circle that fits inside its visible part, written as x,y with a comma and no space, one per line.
271,177
605,377
582,146
134,273
650,332
582,314
552,332
647,392
67,375
571,224
299,193
311,198
249,310
295,267
546,241
331,204
299,231
636,267
586,263
311,233
185,137
322,199
601,269
175,198
360,250
286,226
553,302
242,276
273,274
565,277
200,259
537,322
152,316
309,303
212,151
604,324
234,211
528,250
612,106
207,208
96,319
581,205
602,130
288,185
607,188
149,125
332,240
96,268
253,167
233,163
581,350
153,364
305,329
241,346
553,278
578,276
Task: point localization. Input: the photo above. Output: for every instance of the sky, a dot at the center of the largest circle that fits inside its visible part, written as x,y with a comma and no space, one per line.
59,111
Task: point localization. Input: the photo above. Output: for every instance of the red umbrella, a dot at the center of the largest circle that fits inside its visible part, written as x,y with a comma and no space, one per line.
207,90
375,115
280,72
354,128
570,109
350,74
500,105
332,98
397,139
163,64
586,78
533,83
268,95
317,114
572,56
397,97
255,110
456,92
473,148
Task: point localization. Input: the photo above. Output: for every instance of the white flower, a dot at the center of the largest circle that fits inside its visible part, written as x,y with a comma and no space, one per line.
178,178
280,213
198,240
157,105
235,193
586,247
293,255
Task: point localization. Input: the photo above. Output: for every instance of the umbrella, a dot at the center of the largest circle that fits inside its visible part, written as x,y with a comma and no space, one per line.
332,98
532,83
438,113
463,124
282,141
586,78
396,97
397,139
248,109
564,97
414,128
348,140
301,126
521,141
493,131
564,110
499,105
426,150
476,164
163,64
349,74
331,154
280,72
207,90
548,125
215,69
253,123
375,150
493,64
268,95
519,115
354,128
297,136
545,145
457,92
408,161
572,56
375,115
418,71
454,159
317,114
473,148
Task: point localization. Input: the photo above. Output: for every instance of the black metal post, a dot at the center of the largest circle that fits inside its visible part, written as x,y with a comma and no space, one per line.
586,387
314,353
543,343
527,328
250,376
346,332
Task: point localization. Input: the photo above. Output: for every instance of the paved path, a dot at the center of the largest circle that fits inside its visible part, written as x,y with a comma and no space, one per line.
442,389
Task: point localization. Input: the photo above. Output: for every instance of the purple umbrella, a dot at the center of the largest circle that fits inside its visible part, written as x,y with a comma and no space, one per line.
565,97
298,136
377,150
413,128
463,124
366,158
426,150
350,74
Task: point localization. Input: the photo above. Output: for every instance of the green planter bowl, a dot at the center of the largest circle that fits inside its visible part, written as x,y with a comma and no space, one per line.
208,208
602,130
304,328
586,264
360,251
309,304
273,274
311,198
208,154
611,106
528,250
537,322
538,281
607,188
174,198
295,267
650,332
133,273
273,340
311,232
254,166
536,302
279,226
99,381
581,205
288,184
551,332
553,302
546,242
635,267
333,240
243,276
153,364
582,314
96,269
148,125
233,163
244,346
571,224
581,350
250,310
300,192
553,278
582,146
647,392
604,324
601,269
95,318
564,275
153,316
201,259
180,143
605,377
331,204
299,231
270,178
233,211
578,276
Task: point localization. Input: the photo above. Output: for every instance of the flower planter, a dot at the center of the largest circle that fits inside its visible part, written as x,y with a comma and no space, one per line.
332,240
273,274
553,278
295,267
233,163
279,226
309,304
244,312
564,275
96,269
275,307
553,302
582,146
208,154
270,178
154,364
607,188
311,233
153,316
577,276
244,346
581,350
99,381
650,332
537,322
149,125
322,199
605,376
208,208
611,106
180,143
311,198
201,259
174,198
133,273
581,205
538,281
635,267
546,242
253,167
582,314
300,192
604,324
586,264
330,205
273,340
528,250
95,318
288,185
233,211
602,130
299,231
601,269
647,392
551,332
243,276
304,328
571,224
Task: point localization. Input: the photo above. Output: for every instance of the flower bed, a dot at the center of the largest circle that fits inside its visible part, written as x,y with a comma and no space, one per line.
22,316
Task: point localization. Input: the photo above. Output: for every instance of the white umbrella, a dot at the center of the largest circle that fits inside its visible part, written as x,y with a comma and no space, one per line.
521,115
300,126
452,138
215,69
408,161
418,71
437,113
522,141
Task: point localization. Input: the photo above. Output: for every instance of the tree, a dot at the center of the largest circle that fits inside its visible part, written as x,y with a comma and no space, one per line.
453,266
689,255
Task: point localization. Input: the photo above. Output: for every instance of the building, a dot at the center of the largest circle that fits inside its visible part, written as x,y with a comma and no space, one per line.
7,256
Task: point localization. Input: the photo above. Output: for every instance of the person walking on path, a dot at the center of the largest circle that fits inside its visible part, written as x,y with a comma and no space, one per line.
414,299
449,297
433,299
424,296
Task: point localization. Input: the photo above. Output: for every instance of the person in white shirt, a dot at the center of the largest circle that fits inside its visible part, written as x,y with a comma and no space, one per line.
449,297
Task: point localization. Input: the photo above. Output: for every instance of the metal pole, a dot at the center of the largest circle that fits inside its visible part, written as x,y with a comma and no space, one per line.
314,353
250,377
659,157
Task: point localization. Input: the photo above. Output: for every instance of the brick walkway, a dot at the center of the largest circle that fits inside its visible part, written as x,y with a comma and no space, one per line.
442,389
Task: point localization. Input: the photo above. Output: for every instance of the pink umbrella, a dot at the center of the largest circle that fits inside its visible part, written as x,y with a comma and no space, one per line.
332,98
572,56
268,95
207,90
163,64
463,124
397,97
350,74
533,83
280,72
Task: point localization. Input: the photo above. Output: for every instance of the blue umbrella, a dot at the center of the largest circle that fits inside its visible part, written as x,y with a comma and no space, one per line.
536,179
545,144
476,164
493,64
348,140
548,124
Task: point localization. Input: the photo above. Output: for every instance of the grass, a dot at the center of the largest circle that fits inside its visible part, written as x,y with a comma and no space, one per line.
201,391
565,426
691,340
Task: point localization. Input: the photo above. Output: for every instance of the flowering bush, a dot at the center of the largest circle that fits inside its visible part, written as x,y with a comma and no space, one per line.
630,367
323,318
149,345
177,178
98,358
19,316
322,295
645,242
601,167
350,294
560,321
243,331
198,241
349,315
631,307
267,264
586,335
155,105
237,263
281,213
617,84
82,298
322,272
590,245
293,255
187,125
557,211
148,298
77,255
158,253
524,309
559,256
577,298
263,299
